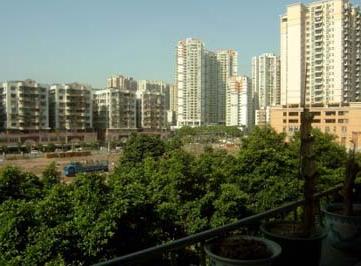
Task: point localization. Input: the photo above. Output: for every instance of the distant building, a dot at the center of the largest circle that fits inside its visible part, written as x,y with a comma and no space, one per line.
71,107
262,117
152,111
266,85
114,109
122,82
24,106
101,106
173,105
227,67
321,49
201,81
239,102
155,86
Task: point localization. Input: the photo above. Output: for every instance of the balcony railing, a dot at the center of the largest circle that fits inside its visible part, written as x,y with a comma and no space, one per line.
169,249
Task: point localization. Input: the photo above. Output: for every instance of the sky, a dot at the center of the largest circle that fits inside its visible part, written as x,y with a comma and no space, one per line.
57,41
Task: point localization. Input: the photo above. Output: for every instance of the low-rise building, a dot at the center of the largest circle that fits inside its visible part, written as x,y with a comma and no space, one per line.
71,107
114,109
152,111
24,106
341,120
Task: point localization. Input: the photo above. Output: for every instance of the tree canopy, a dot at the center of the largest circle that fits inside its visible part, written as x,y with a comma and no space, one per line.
157,193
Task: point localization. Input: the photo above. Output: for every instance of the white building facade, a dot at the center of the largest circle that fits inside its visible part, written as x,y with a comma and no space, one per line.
25,105
320,50
227,67
71,107
190,82
266,85
201,81
239,102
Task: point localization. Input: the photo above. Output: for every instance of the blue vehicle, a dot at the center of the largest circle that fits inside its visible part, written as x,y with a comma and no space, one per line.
75,167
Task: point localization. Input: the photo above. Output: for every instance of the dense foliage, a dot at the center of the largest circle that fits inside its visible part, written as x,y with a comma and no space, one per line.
157,193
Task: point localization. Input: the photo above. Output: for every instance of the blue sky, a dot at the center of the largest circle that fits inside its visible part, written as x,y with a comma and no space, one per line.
87,40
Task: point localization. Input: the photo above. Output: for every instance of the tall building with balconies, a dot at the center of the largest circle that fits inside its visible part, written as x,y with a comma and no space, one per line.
114,109
25,106
201,81
71,107
190,82
266,85
239,102
320,51
227,67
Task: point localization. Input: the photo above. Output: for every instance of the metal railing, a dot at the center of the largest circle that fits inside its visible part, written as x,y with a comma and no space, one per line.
201,237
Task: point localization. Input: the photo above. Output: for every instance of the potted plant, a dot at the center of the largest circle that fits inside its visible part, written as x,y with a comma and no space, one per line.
301,242
242,250
344,220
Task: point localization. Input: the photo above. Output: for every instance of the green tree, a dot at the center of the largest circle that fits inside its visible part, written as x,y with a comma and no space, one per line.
51,175
15,184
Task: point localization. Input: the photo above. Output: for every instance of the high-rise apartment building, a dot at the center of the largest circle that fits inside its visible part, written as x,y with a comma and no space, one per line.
201,81
25,105
114,109
71,107
266,80
190,82
227,67
122,82
266,85
321,50
239,102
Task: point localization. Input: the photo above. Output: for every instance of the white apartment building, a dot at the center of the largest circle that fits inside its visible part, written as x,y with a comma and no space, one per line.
227,67
25,105
266,85
266,75
324,37
71,107
201,80
122,82
239,102
114,109
190,82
